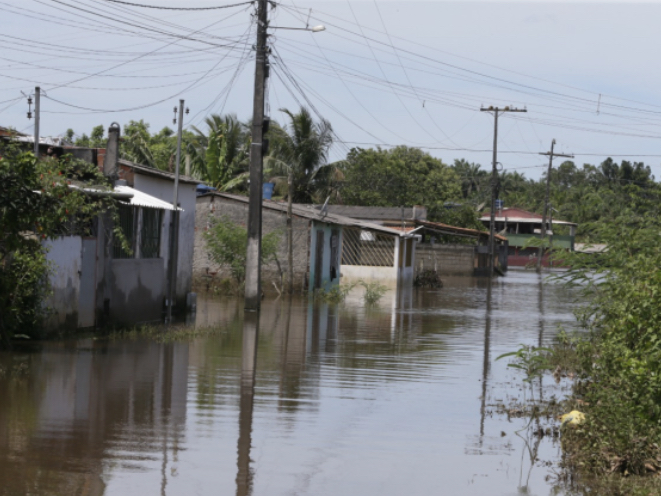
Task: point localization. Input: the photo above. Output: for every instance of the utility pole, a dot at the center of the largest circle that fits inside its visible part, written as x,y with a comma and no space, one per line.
540,250
290,232
494,180
37,108
174,224
253,291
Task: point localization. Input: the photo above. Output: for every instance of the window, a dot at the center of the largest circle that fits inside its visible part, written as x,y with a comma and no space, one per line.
127,224
150,235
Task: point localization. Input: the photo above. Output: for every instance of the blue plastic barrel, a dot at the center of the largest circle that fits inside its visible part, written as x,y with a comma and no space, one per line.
267,190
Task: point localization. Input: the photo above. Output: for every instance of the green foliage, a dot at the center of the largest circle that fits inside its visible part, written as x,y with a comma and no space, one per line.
336,294
227,243
300,150
533,361
374,291
222,153
457,215
401,176
39,202
620,360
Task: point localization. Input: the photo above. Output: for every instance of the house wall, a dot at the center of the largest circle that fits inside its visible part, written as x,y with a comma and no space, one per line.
163,189
327,229
138,290
65,254
384,275
446,259
213,207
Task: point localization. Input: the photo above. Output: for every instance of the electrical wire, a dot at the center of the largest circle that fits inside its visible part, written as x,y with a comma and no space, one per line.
217,7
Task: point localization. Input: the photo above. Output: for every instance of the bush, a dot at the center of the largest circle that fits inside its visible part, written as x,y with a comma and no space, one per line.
620,360
227,243
37,203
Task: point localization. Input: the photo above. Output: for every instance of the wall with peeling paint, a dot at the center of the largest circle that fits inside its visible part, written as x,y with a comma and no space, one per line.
65,257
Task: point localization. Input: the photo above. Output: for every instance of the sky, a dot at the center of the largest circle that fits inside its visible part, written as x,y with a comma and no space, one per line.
383,73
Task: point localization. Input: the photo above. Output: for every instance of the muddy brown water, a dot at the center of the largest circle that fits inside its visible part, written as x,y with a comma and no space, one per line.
307,399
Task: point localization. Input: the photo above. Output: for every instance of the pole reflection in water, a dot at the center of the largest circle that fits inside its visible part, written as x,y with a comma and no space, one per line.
485,360
244,477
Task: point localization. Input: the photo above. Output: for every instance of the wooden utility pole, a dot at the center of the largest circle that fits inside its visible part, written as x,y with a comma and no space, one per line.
544,228
174,224
253,291
37,115
494,180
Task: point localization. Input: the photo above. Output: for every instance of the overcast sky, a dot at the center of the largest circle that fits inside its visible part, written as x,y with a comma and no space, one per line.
388,73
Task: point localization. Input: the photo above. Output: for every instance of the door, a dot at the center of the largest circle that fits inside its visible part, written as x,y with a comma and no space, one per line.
87,292
335,254
319,260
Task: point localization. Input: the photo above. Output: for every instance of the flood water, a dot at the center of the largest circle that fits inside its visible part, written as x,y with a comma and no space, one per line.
306,399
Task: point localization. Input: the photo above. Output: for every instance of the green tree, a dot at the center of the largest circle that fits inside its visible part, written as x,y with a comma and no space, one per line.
221,154
38,202
300,150
140,146
401,176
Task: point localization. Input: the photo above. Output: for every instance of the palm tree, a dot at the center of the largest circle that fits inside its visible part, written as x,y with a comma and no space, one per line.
301,148
221,154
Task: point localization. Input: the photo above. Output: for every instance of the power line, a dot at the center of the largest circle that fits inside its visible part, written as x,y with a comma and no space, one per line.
217,7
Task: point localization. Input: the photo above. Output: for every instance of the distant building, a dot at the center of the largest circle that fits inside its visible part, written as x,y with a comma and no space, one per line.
520,226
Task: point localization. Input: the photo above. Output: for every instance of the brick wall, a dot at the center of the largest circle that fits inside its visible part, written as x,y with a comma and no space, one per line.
446,259
209,207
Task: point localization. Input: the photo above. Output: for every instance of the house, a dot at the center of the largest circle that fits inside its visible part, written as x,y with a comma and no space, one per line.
448,250
457,251
95,280
520,226
326,247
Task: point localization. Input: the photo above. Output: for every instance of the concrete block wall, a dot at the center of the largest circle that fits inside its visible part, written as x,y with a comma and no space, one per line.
210,207
446,259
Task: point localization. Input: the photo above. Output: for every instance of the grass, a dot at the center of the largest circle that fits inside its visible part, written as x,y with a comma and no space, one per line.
163,334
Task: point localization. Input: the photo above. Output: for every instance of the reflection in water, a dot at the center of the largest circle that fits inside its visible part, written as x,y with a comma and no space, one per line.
244,476
78,405
329,399
485,359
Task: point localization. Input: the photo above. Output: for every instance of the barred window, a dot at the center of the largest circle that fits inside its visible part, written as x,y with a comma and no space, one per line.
150,235
127,224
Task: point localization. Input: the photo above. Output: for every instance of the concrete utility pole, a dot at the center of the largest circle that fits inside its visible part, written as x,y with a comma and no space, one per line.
290,232
494,180
540,250
174,224
37,108
253,291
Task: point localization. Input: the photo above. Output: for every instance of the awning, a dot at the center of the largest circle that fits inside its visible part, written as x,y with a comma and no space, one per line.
142,199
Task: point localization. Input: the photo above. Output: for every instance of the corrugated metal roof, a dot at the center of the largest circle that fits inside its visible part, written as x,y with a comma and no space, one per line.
460,231
157,172
309,212
142,199
521,216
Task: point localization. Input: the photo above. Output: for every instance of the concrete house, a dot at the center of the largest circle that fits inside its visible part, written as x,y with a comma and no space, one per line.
520,226
446,249
328,248
95,281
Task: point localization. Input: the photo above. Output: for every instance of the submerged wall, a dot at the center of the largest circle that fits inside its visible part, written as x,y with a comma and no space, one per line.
210,208
446,259
65,256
